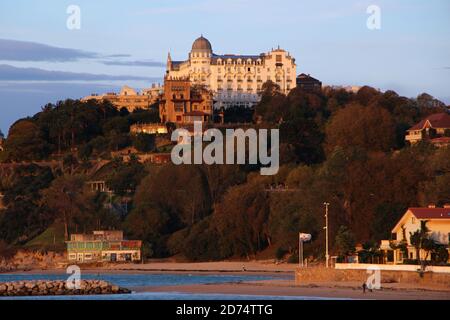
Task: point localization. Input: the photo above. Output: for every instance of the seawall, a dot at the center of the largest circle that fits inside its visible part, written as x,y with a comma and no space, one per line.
58,287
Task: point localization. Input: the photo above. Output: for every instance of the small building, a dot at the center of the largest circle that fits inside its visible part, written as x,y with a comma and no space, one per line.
308,83
432,129
438,223
128,98
106,246
148,128
184,103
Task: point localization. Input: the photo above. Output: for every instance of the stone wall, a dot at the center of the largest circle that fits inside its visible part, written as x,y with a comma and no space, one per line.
58,287
321,274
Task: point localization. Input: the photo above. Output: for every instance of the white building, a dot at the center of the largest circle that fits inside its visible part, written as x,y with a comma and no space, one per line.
234,79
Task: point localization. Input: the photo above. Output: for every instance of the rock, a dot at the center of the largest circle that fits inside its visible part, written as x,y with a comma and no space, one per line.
30,285
35,288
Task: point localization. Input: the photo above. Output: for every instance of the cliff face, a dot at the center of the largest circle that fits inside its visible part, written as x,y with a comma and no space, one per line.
28,260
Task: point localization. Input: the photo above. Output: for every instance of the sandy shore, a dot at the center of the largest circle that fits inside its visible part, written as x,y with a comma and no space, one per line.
224,266
286,288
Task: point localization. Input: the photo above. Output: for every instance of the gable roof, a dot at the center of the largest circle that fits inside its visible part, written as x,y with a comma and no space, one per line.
306,77
431,213
424,214
437,120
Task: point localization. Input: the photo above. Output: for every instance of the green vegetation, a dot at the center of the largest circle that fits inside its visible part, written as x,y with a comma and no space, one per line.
344,148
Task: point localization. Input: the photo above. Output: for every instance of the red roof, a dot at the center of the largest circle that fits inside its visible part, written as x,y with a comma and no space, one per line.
437,120
431,213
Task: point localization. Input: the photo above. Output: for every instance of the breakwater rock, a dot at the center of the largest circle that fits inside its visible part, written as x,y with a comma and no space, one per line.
58,287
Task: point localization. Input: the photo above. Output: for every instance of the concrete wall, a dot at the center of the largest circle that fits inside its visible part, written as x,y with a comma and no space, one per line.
393,275
390,267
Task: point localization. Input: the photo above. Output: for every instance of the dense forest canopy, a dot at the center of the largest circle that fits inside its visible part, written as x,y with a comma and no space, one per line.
344,148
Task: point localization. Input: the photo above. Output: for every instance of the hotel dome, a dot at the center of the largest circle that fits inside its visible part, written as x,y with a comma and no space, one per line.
201,44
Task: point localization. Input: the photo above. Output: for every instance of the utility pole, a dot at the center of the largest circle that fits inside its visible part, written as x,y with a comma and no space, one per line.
327,256
300,251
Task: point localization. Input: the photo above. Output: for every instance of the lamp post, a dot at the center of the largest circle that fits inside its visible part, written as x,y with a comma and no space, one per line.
302,237
327,256
300,251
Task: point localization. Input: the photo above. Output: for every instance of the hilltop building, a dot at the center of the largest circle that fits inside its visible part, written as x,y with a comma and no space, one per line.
308,83
435,129
108,246
130,99
234,79
183,102
438,222
148,128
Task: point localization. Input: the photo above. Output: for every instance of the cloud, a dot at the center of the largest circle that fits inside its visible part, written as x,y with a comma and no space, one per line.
14,50
11,73
137,63
120,55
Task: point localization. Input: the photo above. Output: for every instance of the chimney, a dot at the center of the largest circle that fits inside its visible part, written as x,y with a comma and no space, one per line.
431,205
447,206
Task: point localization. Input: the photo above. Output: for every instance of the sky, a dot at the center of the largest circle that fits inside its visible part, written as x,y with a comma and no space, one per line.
126,42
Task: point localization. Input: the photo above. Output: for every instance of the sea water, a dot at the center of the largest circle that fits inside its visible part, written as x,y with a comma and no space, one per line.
132,281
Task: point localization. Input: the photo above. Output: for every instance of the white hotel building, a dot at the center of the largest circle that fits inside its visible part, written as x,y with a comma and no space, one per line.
234,79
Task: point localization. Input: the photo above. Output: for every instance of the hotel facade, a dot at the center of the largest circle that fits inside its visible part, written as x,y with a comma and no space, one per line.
234,79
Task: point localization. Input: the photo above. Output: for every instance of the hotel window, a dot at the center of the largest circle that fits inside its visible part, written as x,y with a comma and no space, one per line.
413,220
179,107
249,69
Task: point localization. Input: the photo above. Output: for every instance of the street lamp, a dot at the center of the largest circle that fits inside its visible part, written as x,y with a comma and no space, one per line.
302,237
327,256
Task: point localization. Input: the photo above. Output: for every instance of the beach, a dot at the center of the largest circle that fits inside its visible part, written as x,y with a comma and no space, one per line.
281,284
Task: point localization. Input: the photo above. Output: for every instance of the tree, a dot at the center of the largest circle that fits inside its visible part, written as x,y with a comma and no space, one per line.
420,239
345,241
70,202
441,254
25,142
144,142
25,216
124,177
369,128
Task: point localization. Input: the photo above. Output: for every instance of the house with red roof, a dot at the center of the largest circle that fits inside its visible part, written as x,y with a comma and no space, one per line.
435,129
438,223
